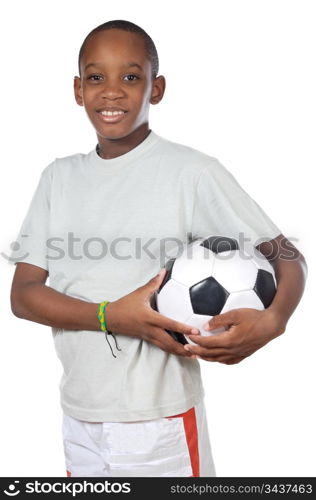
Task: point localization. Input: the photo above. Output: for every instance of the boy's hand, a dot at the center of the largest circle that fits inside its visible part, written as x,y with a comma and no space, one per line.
247,331
133,315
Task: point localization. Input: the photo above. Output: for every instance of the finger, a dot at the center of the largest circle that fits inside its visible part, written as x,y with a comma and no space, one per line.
169,344
233,361
222,340
227,360
203,352
221,320
155,282
166,323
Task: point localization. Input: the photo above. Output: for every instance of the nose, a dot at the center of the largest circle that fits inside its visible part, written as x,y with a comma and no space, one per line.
111,90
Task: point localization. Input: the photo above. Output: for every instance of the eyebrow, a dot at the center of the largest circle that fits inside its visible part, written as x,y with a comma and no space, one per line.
128,65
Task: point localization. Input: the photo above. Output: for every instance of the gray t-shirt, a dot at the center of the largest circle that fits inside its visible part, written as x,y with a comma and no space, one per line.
102,228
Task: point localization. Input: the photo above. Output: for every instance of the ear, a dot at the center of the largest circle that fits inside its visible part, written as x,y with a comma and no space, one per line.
158,89
78,91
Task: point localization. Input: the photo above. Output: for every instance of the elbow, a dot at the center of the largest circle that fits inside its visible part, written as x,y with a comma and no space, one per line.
300,259
303,264
16,307
289,252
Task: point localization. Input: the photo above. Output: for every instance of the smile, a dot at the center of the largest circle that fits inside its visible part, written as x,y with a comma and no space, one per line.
112,116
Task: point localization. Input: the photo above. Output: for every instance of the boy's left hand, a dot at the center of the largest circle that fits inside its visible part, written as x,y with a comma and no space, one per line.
246,331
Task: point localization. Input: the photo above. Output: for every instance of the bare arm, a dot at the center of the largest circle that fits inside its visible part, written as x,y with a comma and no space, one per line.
131,315
31,299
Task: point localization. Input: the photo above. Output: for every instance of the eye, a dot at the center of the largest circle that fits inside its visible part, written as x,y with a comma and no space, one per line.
92,77
97,78
134,76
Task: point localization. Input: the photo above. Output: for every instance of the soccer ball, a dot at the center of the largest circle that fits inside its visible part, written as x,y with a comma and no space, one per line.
213,276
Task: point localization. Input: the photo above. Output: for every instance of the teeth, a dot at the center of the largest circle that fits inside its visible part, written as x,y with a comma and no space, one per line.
112,113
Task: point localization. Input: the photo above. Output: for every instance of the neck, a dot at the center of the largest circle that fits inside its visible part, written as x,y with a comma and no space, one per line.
112,148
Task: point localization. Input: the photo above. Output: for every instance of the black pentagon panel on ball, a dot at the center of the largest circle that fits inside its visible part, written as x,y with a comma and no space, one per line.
218,244
265,287
208,297
168,266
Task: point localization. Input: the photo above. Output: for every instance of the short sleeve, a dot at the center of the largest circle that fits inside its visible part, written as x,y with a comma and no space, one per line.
31,243
223,208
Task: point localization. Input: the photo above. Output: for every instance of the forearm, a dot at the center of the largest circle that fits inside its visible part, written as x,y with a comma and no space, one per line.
42,304
291,277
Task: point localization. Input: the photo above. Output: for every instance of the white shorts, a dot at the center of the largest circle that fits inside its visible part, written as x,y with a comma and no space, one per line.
174,446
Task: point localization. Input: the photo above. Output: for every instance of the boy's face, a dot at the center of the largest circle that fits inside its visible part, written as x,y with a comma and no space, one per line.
112,80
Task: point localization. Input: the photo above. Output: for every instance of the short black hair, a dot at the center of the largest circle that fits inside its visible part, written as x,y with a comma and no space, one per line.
133,28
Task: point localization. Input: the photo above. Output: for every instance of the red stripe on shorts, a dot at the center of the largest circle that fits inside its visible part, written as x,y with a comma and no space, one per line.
191,434
68,473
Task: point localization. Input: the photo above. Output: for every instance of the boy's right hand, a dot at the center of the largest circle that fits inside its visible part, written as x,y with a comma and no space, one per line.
133,315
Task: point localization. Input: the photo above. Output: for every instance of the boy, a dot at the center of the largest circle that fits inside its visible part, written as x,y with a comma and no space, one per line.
98,224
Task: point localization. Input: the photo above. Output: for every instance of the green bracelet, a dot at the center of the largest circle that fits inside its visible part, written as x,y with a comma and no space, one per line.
101,314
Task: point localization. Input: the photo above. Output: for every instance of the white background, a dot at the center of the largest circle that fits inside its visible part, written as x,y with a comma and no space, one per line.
241,87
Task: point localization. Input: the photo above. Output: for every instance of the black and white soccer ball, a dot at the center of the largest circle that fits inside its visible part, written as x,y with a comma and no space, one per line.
213,276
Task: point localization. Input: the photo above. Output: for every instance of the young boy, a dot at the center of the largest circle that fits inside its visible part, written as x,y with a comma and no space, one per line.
99,225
